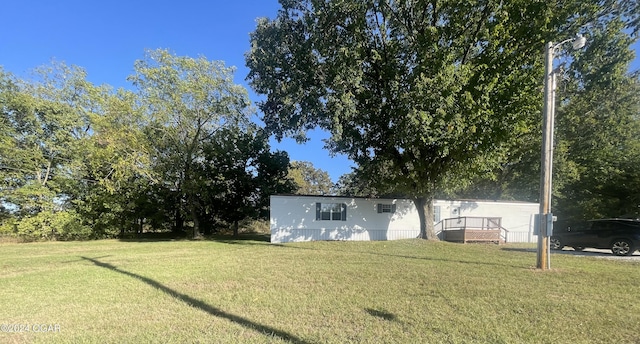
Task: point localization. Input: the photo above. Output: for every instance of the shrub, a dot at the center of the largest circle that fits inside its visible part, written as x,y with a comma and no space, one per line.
47,225
8,228
257,226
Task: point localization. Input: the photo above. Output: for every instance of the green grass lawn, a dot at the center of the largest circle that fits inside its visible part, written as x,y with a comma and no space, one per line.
408,291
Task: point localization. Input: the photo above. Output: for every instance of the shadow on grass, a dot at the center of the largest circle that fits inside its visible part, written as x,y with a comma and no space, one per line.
264,329
380,314
244,238
460,261
519,249
391,255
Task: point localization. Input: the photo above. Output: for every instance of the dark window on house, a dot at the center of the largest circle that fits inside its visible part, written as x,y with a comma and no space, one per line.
386,208
331,211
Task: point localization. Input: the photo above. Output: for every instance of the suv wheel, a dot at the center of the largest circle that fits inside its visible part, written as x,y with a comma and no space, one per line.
555,243
622,247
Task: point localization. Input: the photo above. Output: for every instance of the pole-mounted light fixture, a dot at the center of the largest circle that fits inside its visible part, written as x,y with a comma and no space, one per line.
579,42
545,218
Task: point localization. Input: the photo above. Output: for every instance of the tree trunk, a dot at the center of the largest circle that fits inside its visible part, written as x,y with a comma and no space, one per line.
424,205
179,225
122,226
235,229
196,222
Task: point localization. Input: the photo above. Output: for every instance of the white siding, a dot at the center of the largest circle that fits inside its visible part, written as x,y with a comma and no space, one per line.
293,218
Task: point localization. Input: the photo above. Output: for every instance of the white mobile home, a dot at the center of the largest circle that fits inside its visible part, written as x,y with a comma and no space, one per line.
310,218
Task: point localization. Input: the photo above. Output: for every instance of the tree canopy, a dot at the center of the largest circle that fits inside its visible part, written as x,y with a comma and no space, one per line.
310,180
599,136
178,152
597,128
424,96
186,101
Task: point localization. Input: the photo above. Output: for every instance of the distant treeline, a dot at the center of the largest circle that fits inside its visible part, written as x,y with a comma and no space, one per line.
178,152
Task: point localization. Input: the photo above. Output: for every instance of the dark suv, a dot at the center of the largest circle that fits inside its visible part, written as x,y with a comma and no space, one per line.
622,236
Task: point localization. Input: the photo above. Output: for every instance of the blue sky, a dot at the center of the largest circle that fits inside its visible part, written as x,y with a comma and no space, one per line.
106,37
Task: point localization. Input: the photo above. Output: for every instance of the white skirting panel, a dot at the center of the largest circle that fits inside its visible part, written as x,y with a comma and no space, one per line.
297,235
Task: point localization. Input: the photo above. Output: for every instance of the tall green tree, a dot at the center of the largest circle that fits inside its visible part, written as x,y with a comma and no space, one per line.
351,184
47,124
599,129
310,180
187,101
596,134
119,148
423,95
240,173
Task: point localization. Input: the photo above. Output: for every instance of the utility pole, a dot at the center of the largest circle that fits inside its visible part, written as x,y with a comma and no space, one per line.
545,218
546,161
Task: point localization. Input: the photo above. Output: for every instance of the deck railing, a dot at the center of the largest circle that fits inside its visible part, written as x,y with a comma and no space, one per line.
468,228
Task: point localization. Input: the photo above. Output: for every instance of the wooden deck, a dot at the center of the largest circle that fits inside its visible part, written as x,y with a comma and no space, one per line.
473,229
